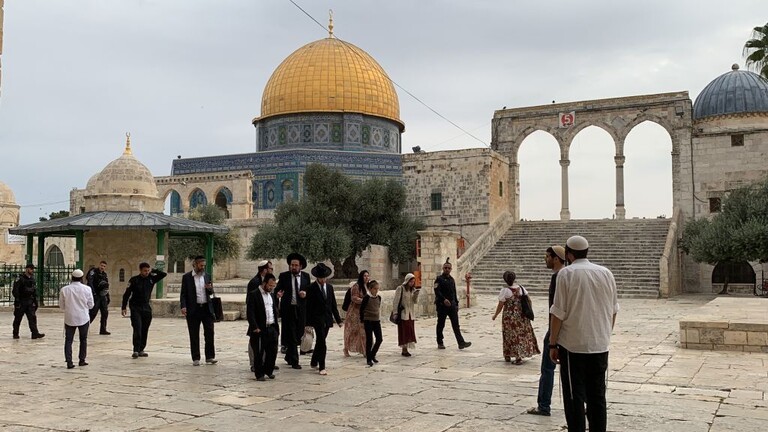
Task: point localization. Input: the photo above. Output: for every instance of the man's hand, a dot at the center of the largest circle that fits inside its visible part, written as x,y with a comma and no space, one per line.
123,312
280,294
184,311
302,294
447,302
257,331
554,354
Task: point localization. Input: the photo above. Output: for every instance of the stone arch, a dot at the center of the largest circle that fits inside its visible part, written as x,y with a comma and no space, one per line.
223,200
197,198
537,164
9,218
581,126
642,170
740,276
514,147
642,118
175,206
54,257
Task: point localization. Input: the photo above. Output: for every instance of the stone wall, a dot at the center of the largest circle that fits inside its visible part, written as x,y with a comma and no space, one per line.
468,181
670,281
239,184
122,250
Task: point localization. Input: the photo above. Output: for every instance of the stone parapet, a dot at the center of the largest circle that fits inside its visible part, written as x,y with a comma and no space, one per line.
727,324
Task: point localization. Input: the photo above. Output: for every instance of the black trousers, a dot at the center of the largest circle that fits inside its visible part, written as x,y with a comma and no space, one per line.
318,355
69,337
100,304
141,318
200,315
582,378
372,328
293,330
19,312
453,314
264,347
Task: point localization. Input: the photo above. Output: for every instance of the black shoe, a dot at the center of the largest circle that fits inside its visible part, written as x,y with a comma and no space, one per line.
15,336
306,352
82,363
271,376
135,355
70,365
143,354
465,345
296,366
261,378
374,360
370,363
282,350
440,346
405,354
104,332
38,336
277,367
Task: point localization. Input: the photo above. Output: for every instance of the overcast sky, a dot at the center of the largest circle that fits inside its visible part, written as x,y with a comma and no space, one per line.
185,77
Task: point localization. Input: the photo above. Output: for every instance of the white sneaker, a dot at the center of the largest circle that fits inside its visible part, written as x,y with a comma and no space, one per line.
196,363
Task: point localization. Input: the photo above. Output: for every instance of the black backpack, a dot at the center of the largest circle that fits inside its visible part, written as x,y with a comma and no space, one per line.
347,300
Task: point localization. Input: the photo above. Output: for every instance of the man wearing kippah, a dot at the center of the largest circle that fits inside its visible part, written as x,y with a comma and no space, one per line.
582,317
76,299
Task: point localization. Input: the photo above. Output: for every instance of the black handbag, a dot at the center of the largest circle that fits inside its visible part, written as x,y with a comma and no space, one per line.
218,311
526,306
394,317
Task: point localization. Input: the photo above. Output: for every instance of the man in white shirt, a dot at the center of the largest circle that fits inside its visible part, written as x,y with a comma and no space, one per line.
76,300
582,317
263,329
196,306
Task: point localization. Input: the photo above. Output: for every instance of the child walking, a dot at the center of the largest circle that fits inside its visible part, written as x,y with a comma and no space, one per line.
370,316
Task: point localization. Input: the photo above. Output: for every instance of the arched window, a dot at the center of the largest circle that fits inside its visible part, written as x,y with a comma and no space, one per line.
176,204
224,200
121,275
287,190
269,195
197,198
54,257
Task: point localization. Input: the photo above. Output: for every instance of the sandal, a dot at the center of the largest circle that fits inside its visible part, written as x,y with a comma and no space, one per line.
519,361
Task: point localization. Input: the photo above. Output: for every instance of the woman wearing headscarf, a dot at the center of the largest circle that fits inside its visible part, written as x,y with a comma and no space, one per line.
354,332
406,298
518,338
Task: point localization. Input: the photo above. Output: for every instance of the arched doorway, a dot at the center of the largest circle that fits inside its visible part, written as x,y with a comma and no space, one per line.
173,204
736,276
592,174
648,171
224,200
54,257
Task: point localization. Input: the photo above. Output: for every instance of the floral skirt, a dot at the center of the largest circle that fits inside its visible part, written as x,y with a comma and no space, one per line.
519,341
354,333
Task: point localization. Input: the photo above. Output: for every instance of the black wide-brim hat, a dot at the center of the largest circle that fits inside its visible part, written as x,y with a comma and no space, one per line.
321,271
297,256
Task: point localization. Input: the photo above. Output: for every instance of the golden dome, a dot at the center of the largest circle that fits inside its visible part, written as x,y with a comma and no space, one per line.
330,75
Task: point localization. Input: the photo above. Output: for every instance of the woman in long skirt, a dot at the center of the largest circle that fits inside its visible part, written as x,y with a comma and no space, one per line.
519,341
406,297
354,332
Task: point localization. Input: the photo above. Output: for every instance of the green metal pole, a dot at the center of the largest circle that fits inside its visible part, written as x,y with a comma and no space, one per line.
79,247
209,254
30,248
40,267
160,264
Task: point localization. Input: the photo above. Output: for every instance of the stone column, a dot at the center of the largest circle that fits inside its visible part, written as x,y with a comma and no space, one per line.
513,188
620,211
565,214
436,246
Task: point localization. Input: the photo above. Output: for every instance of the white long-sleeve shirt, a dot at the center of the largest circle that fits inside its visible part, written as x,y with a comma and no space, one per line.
76,299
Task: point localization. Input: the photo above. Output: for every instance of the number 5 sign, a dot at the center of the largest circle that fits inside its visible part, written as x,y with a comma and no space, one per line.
566,119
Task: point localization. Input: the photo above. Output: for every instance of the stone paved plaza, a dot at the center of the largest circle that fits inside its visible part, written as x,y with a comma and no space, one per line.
653,384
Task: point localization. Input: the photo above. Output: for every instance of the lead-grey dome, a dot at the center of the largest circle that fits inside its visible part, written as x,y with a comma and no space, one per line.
734,92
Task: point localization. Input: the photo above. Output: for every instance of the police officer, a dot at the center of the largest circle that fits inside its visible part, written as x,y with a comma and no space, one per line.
25,302
99,283
447,305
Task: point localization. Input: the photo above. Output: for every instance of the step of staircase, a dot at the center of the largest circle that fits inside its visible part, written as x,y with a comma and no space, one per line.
631,249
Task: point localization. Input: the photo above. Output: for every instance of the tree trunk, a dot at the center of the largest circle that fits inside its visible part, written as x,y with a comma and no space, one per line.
349,268
338,271
725,284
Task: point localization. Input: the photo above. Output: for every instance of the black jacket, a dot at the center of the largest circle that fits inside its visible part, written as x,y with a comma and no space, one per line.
139,289
188,294
445,288
98,281
257,314
24,290
285,284
321,309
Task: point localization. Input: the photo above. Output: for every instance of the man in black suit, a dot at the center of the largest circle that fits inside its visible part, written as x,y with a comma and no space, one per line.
264,268
321,312
196,290
447,305
293,285
261,309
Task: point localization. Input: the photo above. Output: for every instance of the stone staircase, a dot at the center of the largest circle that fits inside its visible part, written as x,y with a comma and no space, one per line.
631,249
231,291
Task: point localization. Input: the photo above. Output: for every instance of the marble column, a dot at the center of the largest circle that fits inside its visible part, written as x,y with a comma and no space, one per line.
620,210
565,214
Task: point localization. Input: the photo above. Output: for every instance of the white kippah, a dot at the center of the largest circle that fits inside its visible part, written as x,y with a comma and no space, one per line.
262,263
577,243
77,273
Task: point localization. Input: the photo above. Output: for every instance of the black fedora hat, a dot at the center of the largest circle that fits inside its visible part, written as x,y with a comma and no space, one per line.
321,271
297,256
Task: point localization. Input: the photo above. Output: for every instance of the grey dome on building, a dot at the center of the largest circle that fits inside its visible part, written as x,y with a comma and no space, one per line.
734,92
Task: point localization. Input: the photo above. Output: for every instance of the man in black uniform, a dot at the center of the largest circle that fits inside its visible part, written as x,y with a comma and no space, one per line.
99,283
25,302
447,305
139,292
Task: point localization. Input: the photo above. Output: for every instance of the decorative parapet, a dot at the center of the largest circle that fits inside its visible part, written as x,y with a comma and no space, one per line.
483,244
669,264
